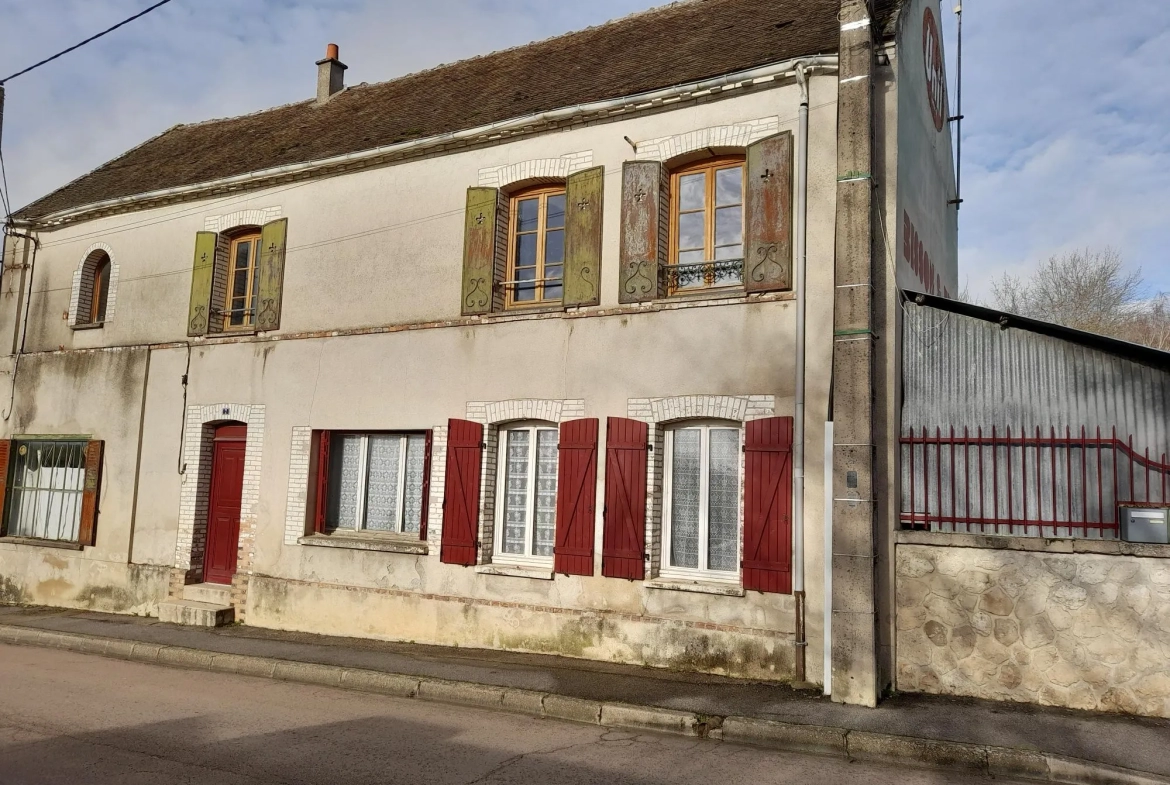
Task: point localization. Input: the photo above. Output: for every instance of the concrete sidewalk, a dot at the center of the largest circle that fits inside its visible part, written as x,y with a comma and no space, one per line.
998,738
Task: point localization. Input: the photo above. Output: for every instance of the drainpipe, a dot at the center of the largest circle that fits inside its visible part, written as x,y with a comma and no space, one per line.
19,345
802,70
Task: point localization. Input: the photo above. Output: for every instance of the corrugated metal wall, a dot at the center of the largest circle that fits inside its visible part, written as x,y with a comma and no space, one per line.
962,372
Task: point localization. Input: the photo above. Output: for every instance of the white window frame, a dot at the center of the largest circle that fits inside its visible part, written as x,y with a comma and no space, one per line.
43,496
665,569
358,516
498,555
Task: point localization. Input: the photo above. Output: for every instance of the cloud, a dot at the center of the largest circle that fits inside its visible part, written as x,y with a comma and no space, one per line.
1067,134
1066,141
192,60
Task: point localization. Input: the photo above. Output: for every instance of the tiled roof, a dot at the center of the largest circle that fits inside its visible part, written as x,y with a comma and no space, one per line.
665,46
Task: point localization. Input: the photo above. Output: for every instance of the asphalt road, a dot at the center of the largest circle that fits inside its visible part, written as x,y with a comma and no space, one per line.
71,718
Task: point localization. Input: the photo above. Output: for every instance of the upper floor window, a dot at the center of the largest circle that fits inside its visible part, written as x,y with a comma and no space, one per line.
92,287
706,225
243,285
701,502
375,482
526,504
536,247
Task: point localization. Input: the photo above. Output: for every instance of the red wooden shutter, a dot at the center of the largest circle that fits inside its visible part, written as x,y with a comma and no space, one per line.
426,489
90,492
5,451
322,482
576,494
460,541
767,513
623,549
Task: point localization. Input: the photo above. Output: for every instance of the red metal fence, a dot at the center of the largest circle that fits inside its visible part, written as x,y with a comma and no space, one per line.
1026,484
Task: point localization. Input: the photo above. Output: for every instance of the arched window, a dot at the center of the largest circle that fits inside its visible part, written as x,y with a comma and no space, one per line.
101,291
706,224
243,283
94,293
536,246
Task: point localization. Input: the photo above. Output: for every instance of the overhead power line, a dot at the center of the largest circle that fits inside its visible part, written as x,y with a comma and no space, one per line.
86,41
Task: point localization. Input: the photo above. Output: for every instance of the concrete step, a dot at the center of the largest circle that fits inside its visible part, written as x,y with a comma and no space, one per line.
195,614
214,593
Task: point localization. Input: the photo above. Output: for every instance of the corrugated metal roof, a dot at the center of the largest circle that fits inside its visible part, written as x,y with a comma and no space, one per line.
967,369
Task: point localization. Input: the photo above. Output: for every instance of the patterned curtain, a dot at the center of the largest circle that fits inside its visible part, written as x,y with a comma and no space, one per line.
383,455
345,456
546,491
684,498
416,449
723,500
516,492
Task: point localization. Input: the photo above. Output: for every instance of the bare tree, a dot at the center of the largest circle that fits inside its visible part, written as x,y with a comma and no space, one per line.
1089,290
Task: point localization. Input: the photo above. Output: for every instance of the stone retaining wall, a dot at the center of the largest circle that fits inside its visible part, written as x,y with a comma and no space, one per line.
1080,630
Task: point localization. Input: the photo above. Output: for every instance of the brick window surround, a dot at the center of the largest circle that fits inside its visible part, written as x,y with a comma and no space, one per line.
736,135
81,294
658,414
194,495
491,414
537,170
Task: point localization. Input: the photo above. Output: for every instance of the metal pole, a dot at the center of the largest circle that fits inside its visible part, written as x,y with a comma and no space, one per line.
798,435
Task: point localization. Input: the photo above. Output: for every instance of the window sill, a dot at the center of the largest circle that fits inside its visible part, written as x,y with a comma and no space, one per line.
388,543
65,546
88,326
726,589
513,571
541,308
234,332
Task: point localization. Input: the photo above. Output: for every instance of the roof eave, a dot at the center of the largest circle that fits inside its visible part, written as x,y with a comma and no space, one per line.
486,133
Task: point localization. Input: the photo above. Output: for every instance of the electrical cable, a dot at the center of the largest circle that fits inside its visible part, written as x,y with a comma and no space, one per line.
86,41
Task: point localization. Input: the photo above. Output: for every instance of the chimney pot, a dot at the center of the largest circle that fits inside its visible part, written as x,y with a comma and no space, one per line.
330,74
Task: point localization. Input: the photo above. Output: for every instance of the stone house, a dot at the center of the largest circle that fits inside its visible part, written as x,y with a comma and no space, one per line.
537,350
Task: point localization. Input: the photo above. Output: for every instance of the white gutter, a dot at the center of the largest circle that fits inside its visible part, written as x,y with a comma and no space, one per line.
828,610
497,129
801,68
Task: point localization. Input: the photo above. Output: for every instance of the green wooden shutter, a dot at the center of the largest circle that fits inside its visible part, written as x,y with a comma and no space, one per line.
271,271
643,240
479,250
768,222
202,273
583,203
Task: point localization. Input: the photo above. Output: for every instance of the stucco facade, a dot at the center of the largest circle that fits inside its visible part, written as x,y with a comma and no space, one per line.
371,338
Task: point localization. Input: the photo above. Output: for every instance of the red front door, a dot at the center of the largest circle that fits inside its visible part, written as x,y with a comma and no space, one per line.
223,513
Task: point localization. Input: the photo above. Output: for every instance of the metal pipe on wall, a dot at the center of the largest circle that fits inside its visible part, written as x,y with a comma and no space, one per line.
801,69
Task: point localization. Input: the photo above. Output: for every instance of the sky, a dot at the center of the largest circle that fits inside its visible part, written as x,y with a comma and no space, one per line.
1066,142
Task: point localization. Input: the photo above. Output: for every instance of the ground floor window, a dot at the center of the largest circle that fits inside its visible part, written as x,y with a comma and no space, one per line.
46,488
527,494
376,482
701,502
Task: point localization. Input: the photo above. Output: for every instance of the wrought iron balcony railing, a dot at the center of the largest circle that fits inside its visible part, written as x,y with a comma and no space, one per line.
701,275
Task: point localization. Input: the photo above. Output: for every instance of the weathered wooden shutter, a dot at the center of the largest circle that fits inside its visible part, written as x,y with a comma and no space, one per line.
768,222
460,540
576,494
5,452
273,239
583,202
479,251
91,491
644,230
202,274
322,482
623,548
767,508
426,488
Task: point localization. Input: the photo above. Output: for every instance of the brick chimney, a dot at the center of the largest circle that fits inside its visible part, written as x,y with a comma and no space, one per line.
330,74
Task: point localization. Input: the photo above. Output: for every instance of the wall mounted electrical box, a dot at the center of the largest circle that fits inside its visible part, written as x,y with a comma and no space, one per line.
1145,524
